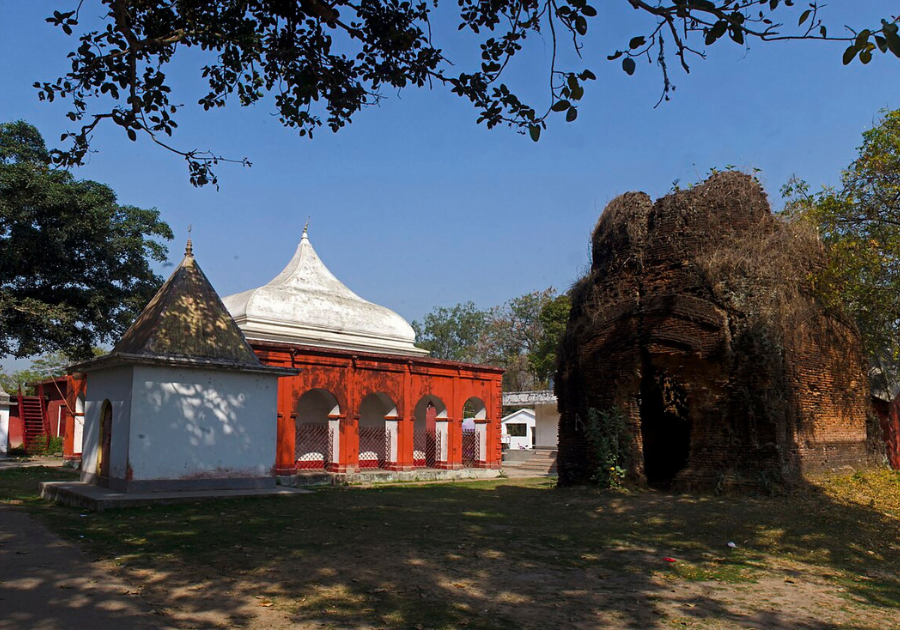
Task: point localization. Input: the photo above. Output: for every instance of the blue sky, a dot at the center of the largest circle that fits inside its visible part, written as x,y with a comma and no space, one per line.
415,206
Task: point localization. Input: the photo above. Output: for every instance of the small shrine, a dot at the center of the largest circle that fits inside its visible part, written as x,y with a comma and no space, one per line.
182,402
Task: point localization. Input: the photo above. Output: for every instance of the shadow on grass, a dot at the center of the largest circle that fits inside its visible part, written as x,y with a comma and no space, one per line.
507,554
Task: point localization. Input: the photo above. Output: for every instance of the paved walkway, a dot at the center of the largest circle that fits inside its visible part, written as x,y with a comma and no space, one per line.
34,461
49,584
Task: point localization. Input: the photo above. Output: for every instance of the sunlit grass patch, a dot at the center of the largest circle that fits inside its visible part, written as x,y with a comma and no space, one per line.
729,571
19,486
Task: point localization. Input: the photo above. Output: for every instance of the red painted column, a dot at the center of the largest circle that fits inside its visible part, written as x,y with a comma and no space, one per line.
454,450
349,433
405,427
404,445
495,411
285,457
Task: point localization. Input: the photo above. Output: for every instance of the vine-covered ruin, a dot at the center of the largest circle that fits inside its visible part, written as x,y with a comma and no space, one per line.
700,324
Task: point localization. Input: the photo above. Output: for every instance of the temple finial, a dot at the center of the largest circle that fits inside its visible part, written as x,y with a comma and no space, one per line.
189,248
306,228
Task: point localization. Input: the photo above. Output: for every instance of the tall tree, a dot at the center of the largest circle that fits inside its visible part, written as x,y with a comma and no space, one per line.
74,263
517,336
322,61
452,333
554,318
520,335
859,223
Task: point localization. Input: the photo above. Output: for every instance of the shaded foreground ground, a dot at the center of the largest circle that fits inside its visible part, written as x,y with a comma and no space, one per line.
502,554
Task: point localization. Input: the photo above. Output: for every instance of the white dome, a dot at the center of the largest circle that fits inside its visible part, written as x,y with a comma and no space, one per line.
305,304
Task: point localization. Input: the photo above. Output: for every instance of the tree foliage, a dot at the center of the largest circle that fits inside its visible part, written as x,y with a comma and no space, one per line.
859,223
520,336
452,333
554,317
43,367
74,264
322,61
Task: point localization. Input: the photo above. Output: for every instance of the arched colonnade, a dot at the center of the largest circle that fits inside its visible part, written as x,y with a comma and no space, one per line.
347,411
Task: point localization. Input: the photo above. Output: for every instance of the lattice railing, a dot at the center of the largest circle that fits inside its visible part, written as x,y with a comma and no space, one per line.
314,445
374,445
470,444
425,448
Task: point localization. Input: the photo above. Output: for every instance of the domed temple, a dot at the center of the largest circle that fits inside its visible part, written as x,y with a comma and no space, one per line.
366,396
305,304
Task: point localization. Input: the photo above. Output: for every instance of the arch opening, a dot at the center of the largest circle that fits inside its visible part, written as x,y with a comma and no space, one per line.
472,442
315,430
375,438
105,438
665,428
426,439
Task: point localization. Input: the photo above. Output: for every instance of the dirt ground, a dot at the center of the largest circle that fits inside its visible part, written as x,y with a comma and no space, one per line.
508,554
781,596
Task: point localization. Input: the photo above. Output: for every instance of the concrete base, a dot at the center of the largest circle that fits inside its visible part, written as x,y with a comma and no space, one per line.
143,486
91,497
373,476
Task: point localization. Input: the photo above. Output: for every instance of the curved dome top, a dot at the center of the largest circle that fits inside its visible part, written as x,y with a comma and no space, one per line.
306,304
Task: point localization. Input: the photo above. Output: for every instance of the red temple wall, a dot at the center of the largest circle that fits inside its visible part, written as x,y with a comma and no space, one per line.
352,376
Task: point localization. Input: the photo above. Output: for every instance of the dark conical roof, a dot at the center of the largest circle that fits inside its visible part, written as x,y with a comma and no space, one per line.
186,318
184,323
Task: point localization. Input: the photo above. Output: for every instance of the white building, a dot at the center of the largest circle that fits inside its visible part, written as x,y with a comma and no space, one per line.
546,416
517,430
182,402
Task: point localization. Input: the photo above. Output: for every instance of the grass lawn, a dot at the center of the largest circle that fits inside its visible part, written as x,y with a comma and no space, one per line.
505,554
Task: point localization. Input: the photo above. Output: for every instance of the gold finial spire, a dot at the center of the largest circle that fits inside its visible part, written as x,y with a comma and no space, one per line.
189,248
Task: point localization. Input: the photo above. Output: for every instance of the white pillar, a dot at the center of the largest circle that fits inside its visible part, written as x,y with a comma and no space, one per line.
78,439
481,437
391,425
442,435
4,423
334,427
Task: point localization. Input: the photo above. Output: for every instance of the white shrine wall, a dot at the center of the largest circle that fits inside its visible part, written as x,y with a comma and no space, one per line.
201,428
114,385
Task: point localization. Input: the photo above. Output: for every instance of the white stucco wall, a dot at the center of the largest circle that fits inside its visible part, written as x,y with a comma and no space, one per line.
202,424
518,442
4,423
112,384
546,426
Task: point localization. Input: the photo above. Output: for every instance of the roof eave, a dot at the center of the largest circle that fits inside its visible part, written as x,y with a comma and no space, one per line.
117,359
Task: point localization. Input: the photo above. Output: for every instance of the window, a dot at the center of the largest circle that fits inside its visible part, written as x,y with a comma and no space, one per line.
517,430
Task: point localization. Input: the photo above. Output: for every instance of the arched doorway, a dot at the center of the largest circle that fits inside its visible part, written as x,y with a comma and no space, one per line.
105,441
474,436
665,428
315,435
377,444
426,438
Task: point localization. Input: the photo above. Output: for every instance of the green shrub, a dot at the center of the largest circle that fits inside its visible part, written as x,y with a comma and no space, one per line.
610,447
45,445
17,451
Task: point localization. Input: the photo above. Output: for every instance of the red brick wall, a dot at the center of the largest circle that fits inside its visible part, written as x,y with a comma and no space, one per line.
686,295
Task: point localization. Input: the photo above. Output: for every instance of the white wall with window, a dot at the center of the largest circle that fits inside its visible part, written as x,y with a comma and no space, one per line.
517,430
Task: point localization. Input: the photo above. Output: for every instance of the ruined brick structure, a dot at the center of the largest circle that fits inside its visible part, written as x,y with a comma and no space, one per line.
699,323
